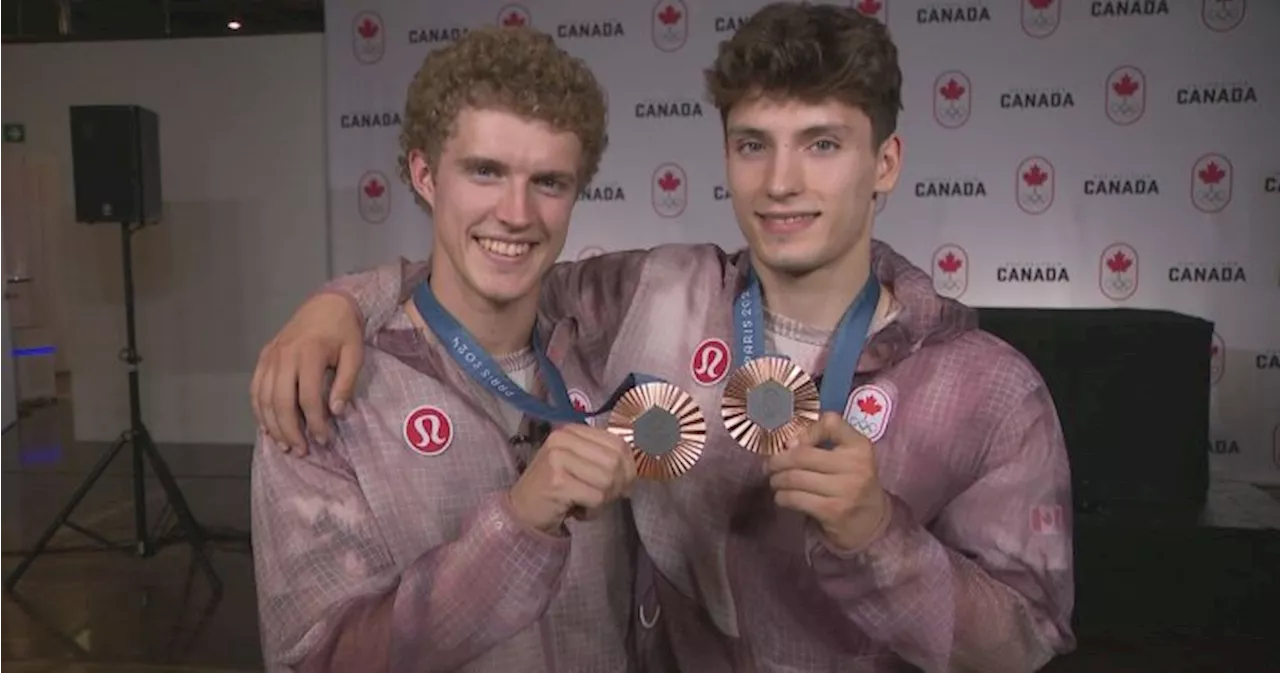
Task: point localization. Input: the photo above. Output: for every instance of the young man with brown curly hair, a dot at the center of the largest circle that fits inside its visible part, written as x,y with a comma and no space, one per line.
429,535
922,521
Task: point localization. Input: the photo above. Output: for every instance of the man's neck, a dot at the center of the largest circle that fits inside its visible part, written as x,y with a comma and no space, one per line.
499,329
818,298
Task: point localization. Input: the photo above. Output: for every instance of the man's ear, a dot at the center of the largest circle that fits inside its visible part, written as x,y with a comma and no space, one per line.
888,164
423,179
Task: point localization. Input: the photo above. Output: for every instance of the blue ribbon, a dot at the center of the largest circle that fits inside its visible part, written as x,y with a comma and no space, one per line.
846,346
480,366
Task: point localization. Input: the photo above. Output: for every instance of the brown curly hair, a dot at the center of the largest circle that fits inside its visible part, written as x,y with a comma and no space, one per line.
813,53
519,70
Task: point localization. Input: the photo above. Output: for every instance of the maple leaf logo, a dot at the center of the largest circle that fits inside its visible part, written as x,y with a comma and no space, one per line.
368,29
374,189
1211,183
1034,176
1212,174
1213,351
950,263
1041,4
513,19
952,91
869,7
869,405
1125,86
669,182
1119,262
669,15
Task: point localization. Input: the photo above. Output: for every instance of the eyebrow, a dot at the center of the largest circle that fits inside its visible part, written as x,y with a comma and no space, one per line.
806,133
474,162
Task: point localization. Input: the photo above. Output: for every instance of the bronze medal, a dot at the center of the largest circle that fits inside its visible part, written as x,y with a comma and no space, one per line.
767,402
664,427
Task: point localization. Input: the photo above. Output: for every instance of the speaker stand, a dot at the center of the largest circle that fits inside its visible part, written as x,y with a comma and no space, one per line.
143,449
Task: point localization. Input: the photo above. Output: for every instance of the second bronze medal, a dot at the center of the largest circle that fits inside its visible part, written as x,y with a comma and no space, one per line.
767,402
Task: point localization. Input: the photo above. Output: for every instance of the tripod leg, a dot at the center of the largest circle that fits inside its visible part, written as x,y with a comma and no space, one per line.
191,528
81,492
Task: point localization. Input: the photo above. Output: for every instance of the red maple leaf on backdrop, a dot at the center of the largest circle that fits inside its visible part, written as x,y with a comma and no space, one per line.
1125,86
869,7
950,263
1212,174
669,15
1041,4
368,29
513,19
1213,350
1119,263
374,189
668,182
1034,177
952,91
869,406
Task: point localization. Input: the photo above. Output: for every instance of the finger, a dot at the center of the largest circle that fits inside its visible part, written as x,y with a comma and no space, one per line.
579,496
587,473
267,397
814,505
350,360
805,481
831,428
311,371
810,459
284,403
255,399
597,446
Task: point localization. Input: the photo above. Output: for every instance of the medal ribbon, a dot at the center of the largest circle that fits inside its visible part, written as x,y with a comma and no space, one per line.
846,343
480,366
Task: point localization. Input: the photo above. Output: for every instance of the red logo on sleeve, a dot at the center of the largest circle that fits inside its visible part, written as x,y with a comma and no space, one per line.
1047,520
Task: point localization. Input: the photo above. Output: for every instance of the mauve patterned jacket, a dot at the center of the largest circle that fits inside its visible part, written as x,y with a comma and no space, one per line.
374,557
974,570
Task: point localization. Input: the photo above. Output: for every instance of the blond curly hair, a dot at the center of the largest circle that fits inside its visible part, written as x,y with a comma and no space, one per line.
516,69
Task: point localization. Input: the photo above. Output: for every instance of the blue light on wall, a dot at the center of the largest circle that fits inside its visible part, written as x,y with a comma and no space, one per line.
35,350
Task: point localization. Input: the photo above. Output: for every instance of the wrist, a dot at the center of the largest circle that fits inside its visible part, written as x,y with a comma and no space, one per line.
531,518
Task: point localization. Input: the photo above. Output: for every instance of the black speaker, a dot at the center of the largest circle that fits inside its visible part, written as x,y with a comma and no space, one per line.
115,150
1132,391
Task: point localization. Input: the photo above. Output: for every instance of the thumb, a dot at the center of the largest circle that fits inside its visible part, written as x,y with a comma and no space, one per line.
350,360
831,431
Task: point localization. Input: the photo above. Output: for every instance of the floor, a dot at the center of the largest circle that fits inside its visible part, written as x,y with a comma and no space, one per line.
112,612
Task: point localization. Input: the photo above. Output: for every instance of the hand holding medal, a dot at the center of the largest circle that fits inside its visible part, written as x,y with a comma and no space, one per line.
769,401
662,425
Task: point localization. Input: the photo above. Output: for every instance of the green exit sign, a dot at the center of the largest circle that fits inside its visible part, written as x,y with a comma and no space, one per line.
15,133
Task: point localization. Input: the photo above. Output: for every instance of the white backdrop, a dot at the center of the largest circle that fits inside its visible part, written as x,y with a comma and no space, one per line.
1058,154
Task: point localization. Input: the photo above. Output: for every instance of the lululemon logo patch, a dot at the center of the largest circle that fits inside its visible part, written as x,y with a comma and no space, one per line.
710,362
868,411
428,430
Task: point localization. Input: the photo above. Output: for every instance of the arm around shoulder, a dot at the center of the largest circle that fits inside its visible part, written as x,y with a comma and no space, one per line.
376,293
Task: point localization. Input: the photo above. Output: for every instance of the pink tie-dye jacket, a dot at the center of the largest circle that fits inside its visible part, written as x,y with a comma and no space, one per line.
394,550
974,571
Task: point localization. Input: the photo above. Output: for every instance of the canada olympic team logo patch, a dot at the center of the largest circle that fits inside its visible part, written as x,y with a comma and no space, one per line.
579,400
428,430
868,411
710,362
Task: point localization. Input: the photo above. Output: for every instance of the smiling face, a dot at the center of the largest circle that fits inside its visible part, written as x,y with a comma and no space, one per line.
501,194
803,177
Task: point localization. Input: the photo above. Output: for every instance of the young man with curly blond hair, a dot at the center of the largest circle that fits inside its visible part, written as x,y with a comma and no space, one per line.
923,521
428,535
